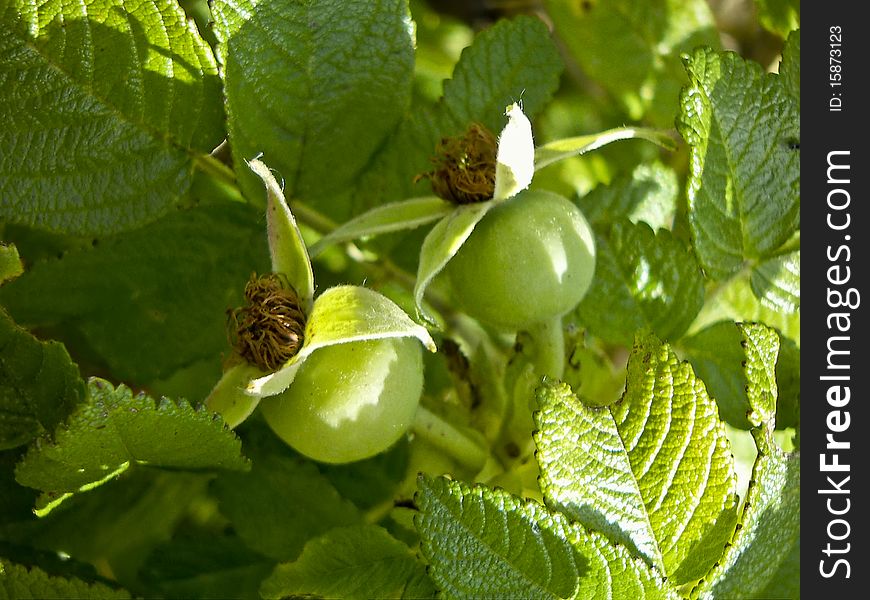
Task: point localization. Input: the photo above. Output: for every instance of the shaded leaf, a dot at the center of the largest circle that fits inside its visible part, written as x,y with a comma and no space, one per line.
643,279
351,562
151,301
280,504
105,107
22,583
631,49
39,385
779,16
649,194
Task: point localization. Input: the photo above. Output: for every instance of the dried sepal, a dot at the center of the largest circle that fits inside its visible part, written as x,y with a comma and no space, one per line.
465,166
270,329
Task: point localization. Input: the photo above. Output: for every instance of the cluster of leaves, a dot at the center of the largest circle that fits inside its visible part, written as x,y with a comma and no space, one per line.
129,229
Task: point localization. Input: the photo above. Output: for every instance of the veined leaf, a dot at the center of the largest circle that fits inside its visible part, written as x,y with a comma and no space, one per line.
649,194
340,315
114,429
315,87
22,583
790,67
737,361
395,216
652,471
643,279
743,130
631,48
104,106
39,384
351,562
763,558
281,504
481,542
512,61
776,282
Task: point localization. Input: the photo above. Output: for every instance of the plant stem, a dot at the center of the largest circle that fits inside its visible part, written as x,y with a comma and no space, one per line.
447,437
548,339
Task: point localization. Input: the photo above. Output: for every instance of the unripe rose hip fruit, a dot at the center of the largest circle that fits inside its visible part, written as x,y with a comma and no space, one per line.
350,401
530,259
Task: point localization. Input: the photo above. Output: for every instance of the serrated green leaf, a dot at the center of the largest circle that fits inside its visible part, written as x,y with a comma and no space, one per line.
105,106
633,471
790,67
10,262
125,519
586,473
22,583
39,385
114,429
779,16
744,366
776,282
481,542
762,560
678,450
743,190
561,149
642,280
442,244
151,301
343,314
515,59
286,246
314,86
631,48
761,345
280,504
649,194
395,216
349,562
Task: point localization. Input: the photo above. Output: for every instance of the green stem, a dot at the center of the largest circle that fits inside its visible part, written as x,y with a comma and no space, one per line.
447,437
548,339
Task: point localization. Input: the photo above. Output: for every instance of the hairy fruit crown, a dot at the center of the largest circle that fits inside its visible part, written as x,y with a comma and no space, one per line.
465,166
269,330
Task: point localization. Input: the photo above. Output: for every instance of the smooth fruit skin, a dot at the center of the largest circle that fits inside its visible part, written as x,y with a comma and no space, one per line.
349,401
530,259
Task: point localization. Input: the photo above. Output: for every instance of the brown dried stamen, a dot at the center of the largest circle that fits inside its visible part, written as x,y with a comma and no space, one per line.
464,166
269,330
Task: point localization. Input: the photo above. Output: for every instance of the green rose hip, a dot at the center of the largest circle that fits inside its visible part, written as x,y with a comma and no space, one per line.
349,401
530,259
